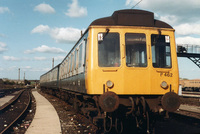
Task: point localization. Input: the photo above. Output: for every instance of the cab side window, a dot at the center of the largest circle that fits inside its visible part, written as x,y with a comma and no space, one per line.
161,53
108,50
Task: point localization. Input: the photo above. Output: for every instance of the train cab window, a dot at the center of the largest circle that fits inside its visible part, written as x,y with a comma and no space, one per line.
136,55
108,50
161,53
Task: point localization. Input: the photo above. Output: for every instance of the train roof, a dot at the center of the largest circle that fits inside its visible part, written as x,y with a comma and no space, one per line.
131,17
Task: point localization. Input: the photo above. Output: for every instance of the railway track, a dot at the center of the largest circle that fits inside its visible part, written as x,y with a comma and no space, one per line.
175,124
188,114
187,122
13,110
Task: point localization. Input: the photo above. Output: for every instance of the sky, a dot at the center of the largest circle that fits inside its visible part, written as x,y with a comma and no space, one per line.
32,32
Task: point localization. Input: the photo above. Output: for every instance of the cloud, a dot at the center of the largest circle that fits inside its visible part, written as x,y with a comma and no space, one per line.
75,10
45,49
2,35
170,19
40,69
26,67
12,68
188,40
183,15
41,29
187,29
66,35
59,58
10,58
44,8
4,9
61,35
183,10
40,58
3,47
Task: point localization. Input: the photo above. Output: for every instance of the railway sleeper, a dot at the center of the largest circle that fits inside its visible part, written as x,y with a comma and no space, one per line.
86,110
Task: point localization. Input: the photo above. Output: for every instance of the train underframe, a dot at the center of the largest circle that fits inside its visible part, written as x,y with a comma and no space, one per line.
111,114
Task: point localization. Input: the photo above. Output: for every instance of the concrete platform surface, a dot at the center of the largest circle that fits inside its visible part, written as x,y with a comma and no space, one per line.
191,95
7,98
189,108
46,120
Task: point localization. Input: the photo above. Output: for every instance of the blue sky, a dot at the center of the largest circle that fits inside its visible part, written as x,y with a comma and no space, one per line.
32,32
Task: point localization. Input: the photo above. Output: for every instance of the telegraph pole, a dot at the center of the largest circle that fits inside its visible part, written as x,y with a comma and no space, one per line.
24,75
52,62
19,74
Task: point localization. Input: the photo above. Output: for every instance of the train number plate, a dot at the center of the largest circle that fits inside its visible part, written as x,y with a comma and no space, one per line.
166,74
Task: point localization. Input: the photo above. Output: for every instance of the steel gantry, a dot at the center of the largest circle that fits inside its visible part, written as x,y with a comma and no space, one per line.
191,52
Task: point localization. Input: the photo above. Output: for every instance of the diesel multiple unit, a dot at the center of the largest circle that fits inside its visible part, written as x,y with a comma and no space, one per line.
124,64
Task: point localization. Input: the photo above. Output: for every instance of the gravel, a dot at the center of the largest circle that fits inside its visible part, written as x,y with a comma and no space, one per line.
71,122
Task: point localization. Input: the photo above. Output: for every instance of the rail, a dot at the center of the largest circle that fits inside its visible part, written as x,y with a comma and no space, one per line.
14,111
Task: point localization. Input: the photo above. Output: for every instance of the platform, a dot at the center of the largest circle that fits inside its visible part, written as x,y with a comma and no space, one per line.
46,120
7,98
190,95
189,108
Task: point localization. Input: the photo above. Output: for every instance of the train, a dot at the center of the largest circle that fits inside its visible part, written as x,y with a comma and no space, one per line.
123,66
190,85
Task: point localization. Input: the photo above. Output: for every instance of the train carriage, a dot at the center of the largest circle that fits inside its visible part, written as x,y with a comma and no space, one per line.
122,63
50,79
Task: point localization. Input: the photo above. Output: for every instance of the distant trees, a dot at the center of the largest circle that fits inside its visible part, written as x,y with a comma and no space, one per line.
26,82
8,82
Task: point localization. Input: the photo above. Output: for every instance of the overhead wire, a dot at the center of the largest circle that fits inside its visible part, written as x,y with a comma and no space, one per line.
136,4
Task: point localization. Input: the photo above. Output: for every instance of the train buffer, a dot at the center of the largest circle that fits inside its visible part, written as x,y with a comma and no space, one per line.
191,52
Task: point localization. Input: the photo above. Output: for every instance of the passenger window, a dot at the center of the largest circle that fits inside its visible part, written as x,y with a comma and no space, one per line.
80,56
77,58
62,70
136,55
69,59
74,67
161,53
108,50
71,62
67,62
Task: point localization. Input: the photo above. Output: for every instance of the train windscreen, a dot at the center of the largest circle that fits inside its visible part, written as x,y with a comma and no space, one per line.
136,55
161,53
